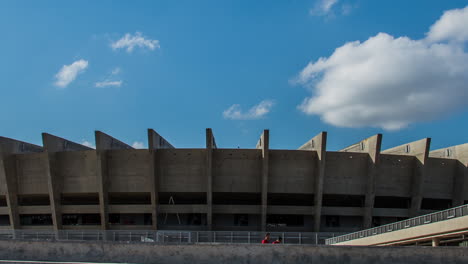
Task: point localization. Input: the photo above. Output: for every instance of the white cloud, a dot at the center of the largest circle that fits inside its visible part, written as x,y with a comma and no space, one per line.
256,112
138,145
323,7
390,82
451,26
108,83
116,71
68,73
88,144
129,42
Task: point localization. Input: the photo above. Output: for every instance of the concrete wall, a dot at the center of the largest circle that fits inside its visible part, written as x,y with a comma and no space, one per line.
176,178
237,170
129,170
78,171
31,173
291,171
346,173
225,253
395,176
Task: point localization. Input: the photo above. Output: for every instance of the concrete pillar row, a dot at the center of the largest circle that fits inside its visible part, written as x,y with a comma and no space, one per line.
210,145
318,144
371,146
8,168
420,150
460,153
104,144
53,144
155,143
264,145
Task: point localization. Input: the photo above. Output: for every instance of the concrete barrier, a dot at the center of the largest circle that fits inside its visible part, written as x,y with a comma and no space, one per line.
225,253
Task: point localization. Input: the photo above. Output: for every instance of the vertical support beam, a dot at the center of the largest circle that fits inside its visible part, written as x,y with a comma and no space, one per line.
420,150
8,176
460,153
319,144
155,142
210,145
8,148
52,145
104,143
371,146
435,242
264,145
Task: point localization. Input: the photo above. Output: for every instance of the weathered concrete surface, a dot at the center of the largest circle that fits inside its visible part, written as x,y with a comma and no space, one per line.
225,253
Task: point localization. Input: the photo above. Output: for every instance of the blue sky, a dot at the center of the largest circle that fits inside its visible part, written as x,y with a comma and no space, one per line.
197,59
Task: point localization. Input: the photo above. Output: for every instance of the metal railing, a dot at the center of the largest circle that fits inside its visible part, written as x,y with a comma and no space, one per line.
165,237
408,223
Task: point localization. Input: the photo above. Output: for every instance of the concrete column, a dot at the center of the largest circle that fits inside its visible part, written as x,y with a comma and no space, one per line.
210,145
53,144
264,145
435,242
105,143
318,144
8,173
420,150
8,148
460,153
371,146
155,142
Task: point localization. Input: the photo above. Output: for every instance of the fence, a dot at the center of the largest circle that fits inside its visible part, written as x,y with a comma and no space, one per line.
412,222
165,237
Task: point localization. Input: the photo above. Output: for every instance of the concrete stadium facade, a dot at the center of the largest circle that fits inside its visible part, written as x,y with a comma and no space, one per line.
65,185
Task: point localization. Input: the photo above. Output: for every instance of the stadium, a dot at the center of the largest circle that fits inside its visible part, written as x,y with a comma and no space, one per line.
63,185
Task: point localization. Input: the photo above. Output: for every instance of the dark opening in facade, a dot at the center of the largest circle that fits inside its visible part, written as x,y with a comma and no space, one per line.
79,199
340,200
130,219
294,199
33,199
235,198
392,202
435,204
3,201
241,220
182,198
129,198
274,221
4,220
332,221
35,219
195,219
81,219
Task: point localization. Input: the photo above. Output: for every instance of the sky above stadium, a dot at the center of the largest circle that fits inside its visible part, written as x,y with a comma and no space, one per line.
353,68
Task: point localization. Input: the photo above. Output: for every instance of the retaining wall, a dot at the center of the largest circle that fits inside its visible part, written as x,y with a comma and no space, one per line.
226,253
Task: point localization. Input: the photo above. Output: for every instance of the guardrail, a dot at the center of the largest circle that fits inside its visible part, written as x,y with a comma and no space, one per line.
165,237
408,223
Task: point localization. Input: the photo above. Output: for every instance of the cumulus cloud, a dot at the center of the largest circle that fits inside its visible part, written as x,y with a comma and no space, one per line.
108,83
256,112
88,144
323,7
452,26
138,145
391,82
68,73
129,42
